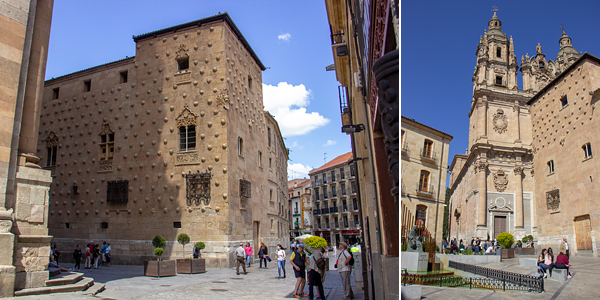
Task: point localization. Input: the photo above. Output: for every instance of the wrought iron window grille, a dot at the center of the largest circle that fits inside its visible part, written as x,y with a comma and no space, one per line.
245,188
197,188
117,191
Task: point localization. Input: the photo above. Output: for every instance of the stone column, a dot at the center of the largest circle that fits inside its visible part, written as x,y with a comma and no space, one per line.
517,109
481,169
519,228
482,117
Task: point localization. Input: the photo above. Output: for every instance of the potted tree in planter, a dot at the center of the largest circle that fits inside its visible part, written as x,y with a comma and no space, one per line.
506,240
159,268
190,265
315,242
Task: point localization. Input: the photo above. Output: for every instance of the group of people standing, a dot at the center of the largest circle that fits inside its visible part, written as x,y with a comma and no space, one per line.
546,260
312,267
488,247
93,255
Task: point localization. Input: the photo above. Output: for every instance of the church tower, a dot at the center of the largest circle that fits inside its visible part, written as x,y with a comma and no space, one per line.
493,183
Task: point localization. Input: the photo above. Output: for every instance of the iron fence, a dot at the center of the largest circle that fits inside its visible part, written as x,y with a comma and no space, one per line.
509,280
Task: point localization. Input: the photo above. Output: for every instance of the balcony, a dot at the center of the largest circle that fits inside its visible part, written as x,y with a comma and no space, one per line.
333,210
425,191
324,210
316,212
326,225
343,208
342,191
405,150
428,156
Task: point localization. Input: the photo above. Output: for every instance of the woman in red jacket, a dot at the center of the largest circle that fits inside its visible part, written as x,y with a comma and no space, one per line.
562,262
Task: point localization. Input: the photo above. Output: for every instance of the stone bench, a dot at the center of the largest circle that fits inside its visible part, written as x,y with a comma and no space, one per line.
557,274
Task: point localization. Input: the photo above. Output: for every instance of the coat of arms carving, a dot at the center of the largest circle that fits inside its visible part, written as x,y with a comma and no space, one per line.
553,200
499,121
500,181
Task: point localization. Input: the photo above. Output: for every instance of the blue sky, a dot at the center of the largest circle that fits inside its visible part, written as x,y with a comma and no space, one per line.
439,40
290,37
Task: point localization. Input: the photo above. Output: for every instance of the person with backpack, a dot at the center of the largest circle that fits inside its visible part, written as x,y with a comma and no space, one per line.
316,273
77,258
344,265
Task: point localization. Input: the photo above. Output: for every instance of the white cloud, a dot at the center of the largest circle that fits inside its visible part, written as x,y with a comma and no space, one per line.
298,171
287,103
285,37
330,143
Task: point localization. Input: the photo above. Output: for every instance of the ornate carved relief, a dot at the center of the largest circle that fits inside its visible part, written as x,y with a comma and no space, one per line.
481,166
499,121
187,158
52,140
105,166
500,180
182,78
500,204
181,53
553,200
106,129
562,140
186,117
532,172
223,98
518,170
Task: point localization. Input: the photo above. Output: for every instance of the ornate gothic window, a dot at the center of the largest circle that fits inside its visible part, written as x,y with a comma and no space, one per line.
183,59
107,142
186,122
52,147
198,188
117,191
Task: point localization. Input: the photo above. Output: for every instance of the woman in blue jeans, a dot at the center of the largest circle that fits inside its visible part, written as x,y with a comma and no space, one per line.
281,260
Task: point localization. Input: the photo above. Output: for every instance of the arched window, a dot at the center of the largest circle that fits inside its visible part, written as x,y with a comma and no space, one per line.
424,181
551,167
421,216
498,52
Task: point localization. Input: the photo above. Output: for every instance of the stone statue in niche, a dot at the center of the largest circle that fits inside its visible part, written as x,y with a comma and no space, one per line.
500,180
499,121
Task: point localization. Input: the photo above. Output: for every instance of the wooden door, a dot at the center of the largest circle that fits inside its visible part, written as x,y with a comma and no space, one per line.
499,225
256,236
583,229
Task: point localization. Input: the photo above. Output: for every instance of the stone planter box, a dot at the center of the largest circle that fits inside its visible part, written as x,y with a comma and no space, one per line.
508,253
160,268
525,251
191,266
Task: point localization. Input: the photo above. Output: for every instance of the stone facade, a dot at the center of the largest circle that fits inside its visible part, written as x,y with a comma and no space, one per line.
335,202
300,207
24,240
564,118
172,140
424,153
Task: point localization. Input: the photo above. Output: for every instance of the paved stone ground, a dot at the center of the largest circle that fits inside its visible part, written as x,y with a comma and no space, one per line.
126,282
585,283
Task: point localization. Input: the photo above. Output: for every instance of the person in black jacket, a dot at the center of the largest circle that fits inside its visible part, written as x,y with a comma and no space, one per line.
298,261
95,256
263,252
77,257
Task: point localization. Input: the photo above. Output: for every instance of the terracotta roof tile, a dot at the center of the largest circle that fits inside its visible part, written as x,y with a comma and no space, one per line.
344,158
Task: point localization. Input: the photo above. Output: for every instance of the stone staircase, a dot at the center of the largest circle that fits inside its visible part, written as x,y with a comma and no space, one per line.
64,283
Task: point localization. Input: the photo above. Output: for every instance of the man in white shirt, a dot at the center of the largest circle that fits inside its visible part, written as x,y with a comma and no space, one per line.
345,269
566,246
240,254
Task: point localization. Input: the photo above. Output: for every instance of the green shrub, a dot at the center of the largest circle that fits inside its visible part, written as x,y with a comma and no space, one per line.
315,242
159,242
519,244
530,238
469,252
159,252
200,245
404,247
505,240
524,239
183,239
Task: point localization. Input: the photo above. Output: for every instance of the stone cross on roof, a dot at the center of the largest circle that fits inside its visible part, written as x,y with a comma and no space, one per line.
494,8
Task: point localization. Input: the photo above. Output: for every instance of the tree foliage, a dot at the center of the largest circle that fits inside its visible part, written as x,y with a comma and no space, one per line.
200,245
505,240
446,227
159,242
183,239
159,252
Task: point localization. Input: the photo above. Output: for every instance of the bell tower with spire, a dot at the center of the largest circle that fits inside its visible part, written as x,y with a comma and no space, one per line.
494,181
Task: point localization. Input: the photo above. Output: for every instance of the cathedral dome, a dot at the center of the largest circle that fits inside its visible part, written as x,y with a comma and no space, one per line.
565,45
495,26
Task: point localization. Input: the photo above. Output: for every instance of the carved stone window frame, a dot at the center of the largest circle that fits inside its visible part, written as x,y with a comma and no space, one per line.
52,146
108,143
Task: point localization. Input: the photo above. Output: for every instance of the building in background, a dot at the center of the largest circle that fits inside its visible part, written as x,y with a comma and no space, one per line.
424,169
172,140
299,191
24,239
364,44
335,200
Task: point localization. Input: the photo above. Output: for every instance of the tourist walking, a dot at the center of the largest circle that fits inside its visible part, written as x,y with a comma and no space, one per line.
102,253
316,273
298,261
249,253
345,269
95,256
263,253
240,260
562,262
280,260
108,255
77,258
88,257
